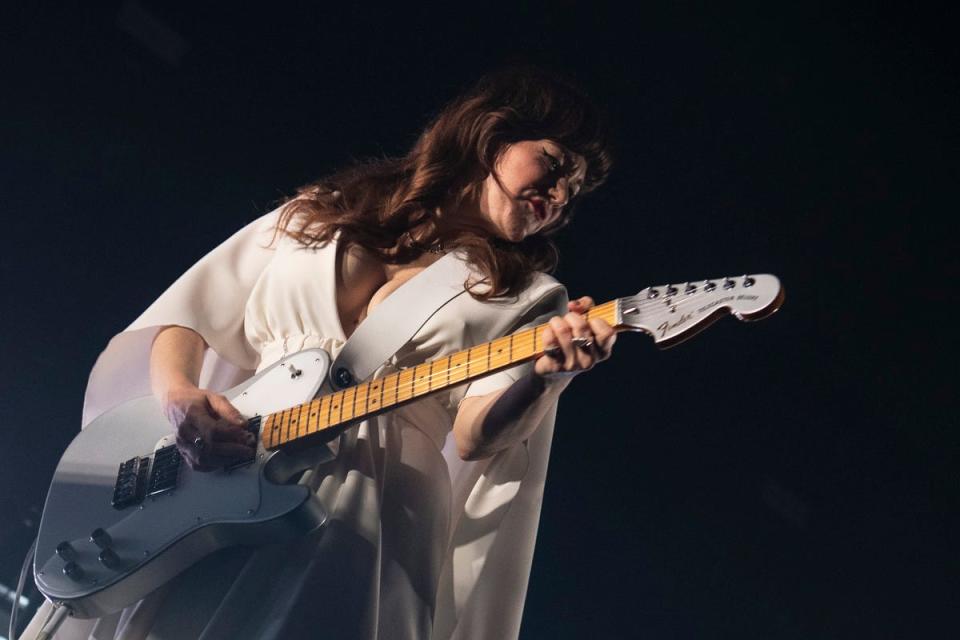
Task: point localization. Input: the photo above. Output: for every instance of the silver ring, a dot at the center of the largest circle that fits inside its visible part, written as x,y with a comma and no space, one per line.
198,443
583,343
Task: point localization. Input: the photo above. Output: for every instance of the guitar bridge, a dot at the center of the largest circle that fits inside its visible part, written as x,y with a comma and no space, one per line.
130,488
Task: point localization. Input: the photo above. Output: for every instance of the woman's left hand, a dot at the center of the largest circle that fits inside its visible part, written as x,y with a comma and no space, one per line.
574,344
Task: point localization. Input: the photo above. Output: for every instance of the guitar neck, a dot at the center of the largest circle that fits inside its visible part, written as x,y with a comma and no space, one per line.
331,412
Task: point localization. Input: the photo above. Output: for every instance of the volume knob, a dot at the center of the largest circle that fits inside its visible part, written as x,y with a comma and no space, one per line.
101,538
109,559
72,570
66,551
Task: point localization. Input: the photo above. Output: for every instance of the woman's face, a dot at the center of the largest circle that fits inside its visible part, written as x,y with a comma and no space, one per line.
537,178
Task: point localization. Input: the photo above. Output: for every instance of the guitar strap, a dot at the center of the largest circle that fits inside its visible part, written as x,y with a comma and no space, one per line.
398,318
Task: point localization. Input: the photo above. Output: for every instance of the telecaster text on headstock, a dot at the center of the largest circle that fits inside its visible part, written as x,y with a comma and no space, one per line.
710,305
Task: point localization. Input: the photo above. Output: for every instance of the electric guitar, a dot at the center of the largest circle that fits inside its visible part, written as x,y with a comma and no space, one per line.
124,514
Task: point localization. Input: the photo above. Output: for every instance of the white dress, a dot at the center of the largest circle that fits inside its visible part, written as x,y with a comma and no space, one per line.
419,544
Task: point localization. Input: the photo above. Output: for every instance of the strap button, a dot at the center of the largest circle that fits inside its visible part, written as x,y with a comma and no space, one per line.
342,377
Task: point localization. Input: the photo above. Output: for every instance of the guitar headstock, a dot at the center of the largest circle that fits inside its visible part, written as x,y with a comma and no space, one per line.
672,313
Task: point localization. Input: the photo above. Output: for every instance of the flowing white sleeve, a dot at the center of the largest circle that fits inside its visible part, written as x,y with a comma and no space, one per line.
496,507
209,298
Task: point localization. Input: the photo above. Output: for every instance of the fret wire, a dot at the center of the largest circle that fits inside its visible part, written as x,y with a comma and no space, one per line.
378,385
413,382
308,406
288,423
294,422
346,409
304,427
393,378
349,398
329,410
325,412
419,369
336,407
315,412
383,391
285,425
311,419
297,422
405,378
396,389
342,406
291,423
356,400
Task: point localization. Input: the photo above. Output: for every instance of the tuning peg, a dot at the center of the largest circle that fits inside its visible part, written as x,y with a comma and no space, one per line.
729,284
691,288
748,281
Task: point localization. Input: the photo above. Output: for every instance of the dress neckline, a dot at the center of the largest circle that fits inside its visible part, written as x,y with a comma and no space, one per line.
334,268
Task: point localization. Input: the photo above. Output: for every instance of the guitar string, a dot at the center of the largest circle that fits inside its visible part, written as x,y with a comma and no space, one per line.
528,335
426,382
417,385
683,302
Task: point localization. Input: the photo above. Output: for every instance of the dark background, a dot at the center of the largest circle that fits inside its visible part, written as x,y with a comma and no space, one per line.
794,478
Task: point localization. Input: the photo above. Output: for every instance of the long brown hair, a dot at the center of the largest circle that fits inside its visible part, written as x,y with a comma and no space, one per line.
389,206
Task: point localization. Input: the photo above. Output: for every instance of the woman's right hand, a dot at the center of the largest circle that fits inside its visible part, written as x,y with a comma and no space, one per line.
210,430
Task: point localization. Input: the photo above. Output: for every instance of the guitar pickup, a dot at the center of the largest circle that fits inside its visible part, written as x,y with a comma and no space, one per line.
130,488
165,471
